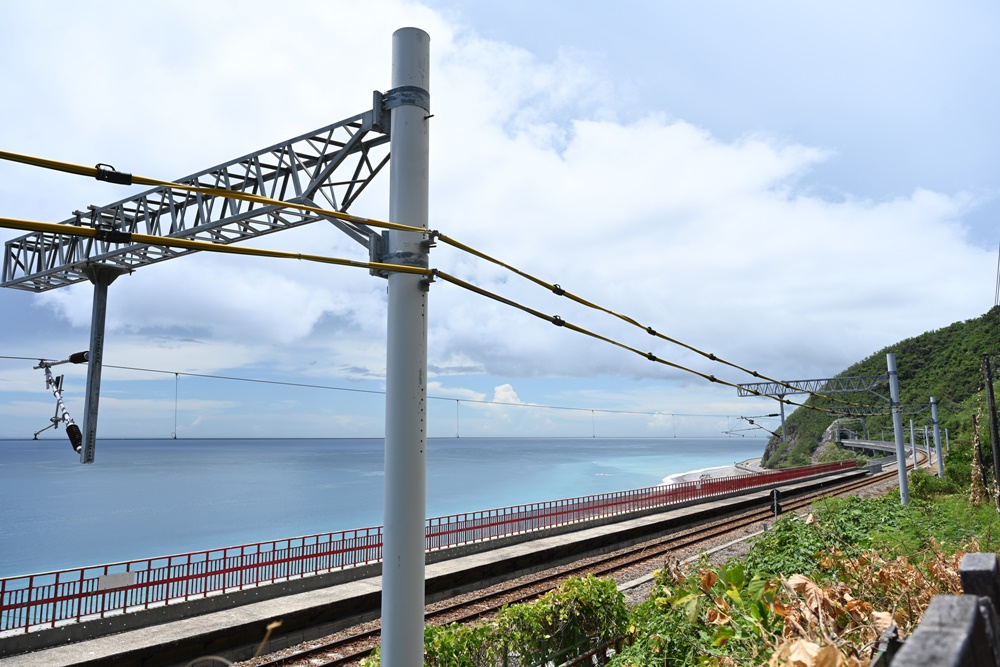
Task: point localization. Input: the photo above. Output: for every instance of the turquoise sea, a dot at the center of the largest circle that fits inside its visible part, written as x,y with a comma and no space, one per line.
145,498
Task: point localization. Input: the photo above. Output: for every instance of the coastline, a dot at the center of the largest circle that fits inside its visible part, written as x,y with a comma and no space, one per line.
737,468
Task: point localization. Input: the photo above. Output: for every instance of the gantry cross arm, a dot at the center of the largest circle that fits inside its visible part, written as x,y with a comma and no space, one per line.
839,385
327,168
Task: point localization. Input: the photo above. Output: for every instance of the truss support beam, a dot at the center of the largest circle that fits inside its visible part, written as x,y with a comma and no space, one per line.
779,390
328,168
101,276
839,385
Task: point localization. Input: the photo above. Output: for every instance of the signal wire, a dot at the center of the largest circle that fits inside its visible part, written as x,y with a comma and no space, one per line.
380,392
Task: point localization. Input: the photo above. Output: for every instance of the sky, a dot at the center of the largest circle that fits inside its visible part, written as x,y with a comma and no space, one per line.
790,186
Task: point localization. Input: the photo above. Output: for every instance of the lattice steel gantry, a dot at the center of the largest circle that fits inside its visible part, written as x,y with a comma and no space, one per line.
838,385
327,168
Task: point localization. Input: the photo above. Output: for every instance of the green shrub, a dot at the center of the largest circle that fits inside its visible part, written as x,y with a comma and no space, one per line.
923,484
583,613
580,615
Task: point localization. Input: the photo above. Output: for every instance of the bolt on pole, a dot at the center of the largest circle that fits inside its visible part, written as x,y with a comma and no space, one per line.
897,428
406,356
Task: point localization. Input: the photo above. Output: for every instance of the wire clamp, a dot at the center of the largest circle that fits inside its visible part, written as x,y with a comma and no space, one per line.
109,235
557,290
558,321
651,331
651,356
105,172
430,242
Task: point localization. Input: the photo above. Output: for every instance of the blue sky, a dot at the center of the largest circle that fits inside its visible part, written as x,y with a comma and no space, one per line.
789,185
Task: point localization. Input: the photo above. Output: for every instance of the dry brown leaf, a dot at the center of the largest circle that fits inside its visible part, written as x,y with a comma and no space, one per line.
708,579
717,617
798,653
828,656
881,620
808,588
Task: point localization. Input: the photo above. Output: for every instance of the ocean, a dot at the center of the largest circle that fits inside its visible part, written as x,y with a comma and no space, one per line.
145,498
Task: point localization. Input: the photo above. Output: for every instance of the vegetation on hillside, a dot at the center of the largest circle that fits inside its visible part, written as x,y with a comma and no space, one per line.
945,364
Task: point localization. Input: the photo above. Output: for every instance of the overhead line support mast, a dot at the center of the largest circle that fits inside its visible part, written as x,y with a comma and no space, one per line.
327,168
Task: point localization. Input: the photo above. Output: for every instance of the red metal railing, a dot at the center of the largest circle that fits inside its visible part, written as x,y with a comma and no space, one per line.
47,599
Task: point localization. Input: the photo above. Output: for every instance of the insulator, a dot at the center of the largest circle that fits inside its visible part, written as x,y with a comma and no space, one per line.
75,437
79,357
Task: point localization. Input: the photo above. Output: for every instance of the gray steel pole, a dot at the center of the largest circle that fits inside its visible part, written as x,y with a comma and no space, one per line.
781,403
897,428
101,276
913,445
947,445
406,356
937,437
927,447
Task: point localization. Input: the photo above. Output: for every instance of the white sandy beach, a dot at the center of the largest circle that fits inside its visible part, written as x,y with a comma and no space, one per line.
738,468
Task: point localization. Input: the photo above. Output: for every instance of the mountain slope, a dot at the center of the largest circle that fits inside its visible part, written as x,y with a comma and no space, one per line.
945,363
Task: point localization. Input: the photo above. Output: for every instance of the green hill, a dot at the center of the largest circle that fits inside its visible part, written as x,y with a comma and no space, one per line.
945,363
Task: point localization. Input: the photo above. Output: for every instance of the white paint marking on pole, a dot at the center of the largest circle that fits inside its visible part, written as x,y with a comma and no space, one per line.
897,428
406,356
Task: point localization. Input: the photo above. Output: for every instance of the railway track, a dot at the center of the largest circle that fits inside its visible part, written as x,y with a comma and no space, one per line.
354,646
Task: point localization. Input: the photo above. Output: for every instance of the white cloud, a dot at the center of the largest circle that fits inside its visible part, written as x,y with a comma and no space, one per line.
715,242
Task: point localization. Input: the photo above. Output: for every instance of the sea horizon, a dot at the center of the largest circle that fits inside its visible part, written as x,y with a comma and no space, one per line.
150,497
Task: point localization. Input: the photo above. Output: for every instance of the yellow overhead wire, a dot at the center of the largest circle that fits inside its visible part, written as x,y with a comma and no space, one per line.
110,175
89,232
559,291
558,321
113,176
169,241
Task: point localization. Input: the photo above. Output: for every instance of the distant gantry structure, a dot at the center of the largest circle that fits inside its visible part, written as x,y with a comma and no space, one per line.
837,385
